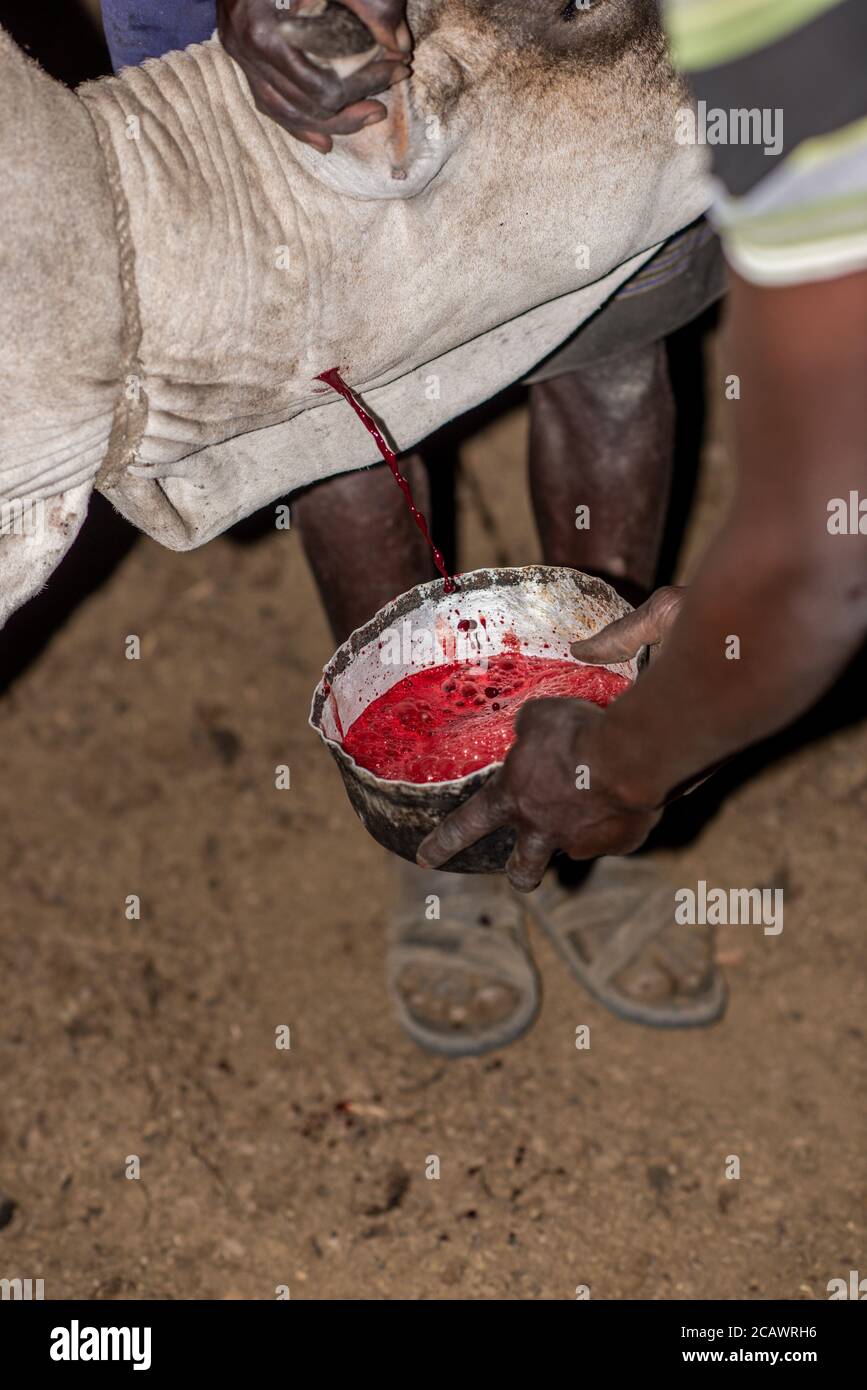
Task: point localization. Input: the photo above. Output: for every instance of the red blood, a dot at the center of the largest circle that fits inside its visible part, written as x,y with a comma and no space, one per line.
333,379
424,730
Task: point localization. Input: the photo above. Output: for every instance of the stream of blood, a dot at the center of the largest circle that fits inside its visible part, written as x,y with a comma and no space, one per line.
333,379
445,721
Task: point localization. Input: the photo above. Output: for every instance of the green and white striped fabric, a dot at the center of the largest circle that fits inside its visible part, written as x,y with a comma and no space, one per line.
705,33
797,211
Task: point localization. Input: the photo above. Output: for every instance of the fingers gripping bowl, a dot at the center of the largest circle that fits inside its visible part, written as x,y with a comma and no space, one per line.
537,610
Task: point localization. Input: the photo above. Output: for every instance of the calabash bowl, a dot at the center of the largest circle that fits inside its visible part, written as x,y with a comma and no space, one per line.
537,609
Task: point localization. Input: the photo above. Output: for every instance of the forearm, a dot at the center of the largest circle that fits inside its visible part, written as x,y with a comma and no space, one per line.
761,636
780,603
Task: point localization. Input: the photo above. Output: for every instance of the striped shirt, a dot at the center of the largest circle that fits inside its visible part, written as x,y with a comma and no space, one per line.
781,100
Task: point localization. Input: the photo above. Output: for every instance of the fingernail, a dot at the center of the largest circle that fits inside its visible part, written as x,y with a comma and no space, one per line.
404,37
400,74
374,118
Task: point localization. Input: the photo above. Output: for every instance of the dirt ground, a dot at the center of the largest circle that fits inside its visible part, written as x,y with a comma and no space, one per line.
305,1168
260,908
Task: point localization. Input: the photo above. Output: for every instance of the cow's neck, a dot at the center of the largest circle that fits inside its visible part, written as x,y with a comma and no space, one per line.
255,275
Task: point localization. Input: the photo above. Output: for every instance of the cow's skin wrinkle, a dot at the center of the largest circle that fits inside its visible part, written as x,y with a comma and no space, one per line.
260,263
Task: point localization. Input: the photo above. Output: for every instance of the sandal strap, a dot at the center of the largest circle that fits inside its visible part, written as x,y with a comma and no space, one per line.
500,949
642,924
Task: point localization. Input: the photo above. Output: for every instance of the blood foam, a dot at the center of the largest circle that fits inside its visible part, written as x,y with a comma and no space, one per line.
443,722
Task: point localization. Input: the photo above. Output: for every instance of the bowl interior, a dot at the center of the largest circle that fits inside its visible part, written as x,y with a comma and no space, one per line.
537,610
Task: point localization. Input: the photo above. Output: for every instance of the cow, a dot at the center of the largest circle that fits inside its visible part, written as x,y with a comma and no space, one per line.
176,271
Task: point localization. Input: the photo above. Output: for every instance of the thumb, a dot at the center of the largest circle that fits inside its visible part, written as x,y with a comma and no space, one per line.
624,638
385,20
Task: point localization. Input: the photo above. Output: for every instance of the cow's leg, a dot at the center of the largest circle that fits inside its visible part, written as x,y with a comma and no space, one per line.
602,438
361,542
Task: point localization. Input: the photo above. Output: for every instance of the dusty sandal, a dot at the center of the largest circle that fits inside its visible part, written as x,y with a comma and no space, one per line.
618,936
464,983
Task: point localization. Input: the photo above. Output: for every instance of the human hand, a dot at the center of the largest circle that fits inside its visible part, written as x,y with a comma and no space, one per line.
311,101
542,791
647,626
556,788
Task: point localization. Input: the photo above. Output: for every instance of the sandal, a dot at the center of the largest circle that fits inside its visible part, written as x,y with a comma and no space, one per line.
465,982
618,936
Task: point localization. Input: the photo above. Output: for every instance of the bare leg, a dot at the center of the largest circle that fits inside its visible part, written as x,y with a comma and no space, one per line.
603,438
361,542
464,983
